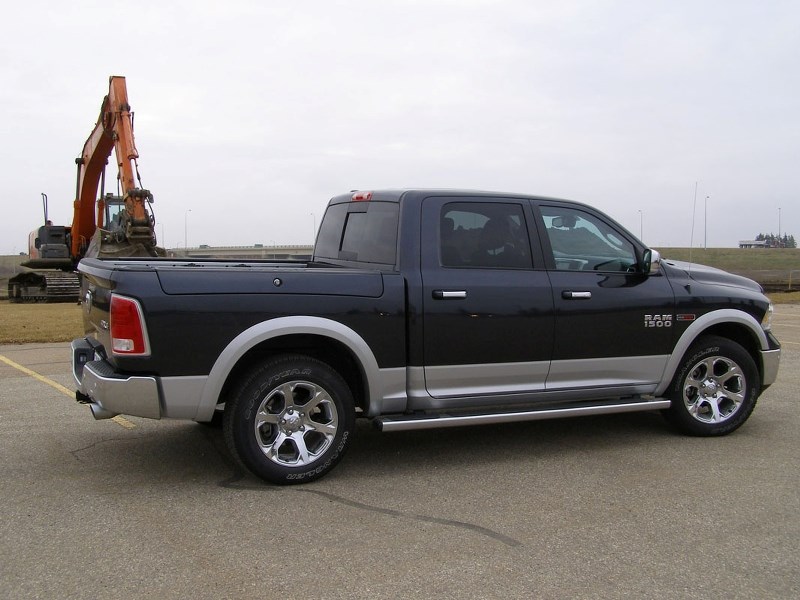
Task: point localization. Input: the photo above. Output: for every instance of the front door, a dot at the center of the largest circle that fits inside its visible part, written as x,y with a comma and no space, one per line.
613,324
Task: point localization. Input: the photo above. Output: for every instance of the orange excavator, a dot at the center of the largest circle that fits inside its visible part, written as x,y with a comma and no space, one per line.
120,225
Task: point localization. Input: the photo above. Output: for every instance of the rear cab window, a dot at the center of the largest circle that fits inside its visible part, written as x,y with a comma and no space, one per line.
362,232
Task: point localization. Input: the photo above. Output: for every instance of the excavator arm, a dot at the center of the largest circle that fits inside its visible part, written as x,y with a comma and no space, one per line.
113,131
56,249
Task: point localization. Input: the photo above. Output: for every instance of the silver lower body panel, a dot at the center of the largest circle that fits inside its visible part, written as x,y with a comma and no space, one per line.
434,421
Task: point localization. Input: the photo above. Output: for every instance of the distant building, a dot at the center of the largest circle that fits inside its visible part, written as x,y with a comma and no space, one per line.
257,251
754,244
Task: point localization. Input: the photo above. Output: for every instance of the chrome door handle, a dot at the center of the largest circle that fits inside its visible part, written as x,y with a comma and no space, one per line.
449,294
576,295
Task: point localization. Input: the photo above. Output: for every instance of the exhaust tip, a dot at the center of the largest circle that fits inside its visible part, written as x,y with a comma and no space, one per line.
100,413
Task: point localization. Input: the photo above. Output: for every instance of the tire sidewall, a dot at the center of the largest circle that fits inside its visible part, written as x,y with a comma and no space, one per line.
240,423
713,346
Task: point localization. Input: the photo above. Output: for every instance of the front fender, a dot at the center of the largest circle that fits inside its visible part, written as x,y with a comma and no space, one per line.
725,316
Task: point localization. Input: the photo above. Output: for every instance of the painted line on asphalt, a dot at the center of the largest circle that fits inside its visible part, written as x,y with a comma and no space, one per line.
122,421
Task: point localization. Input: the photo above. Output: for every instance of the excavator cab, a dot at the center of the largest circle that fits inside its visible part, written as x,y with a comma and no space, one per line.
50,241
54,278
113,215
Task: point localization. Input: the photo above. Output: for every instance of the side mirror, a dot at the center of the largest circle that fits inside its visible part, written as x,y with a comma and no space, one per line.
651,262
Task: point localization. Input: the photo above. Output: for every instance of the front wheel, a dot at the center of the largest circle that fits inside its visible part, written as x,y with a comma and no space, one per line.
290,420
715,388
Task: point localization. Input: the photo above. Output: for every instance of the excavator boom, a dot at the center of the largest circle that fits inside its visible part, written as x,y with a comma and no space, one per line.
129,232
113,131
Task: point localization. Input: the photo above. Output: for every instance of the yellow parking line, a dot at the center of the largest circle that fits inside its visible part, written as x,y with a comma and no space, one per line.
122,421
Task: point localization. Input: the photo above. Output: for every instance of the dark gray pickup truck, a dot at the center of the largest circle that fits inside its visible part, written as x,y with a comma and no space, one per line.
421,309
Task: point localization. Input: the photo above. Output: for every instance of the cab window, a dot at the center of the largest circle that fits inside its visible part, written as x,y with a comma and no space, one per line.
484,235
582,242
359,232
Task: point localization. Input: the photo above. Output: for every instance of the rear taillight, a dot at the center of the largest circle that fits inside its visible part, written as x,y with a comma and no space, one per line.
362,196
128,333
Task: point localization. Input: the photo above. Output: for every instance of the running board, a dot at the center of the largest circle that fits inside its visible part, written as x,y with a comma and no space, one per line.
435,421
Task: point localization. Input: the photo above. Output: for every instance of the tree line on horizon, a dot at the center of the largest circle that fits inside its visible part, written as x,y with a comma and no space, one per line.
774,241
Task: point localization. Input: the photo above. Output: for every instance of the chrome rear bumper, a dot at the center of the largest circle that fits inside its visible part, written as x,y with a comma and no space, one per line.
109,391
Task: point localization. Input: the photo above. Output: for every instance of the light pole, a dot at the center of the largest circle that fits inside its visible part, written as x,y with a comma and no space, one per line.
186,229
641,225
705,223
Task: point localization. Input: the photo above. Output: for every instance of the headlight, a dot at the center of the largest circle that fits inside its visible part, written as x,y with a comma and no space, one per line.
766,322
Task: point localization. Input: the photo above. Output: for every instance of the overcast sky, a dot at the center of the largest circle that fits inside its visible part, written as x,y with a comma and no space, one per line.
252,114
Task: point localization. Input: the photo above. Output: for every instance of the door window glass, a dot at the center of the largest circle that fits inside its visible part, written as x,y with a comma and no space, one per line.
484,235
582,242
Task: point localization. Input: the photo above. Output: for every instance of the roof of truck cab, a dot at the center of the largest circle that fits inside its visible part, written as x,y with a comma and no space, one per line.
395,195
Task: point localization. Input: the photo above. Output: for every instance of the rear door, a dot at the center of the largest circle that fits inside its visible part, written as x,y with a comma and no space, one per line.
487,302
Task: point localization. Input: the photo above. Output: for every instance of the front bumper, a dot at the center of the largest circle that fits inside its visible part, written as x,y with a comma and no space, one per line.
770,359
112,392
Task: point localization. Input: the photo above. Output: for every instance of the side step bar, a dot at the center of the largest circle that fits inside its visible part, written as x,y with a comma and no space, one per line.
435,421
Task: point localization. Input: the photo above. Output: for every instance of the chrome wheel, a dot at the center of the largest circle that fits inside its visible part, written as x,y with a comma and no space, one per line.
296,423
290,419
714,389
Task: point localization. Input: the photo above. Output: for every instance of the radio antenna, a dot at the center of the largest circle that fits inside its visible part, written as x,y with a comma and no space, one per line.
691,239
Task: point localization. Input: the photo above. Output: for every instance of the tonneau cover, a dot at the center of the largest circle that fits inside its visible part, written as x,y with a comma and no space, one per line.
330,282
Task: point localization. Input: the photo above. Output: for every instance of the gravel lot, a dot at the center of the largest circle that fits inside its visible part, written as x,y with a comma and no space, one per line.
601,507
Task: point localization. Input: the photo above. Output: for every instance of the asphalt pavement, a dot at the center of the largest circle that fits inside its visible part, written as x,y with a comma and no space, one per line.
596,507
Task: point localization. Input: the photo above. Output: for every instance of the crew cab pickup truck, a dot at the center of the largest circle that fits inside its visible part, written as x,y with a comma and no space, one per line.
423,309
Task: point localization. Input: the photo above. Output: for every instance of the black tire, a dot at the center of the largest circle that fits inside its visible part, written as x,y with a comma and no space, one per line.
715,388
290,420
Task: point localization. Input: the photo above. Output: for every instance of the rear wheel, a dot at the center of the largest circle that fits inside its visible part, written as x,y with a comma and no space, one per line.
290,420
715,388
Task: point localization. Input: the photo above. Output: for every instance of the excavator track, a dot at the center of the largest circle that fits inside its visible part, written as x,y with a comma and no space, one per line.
44,286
